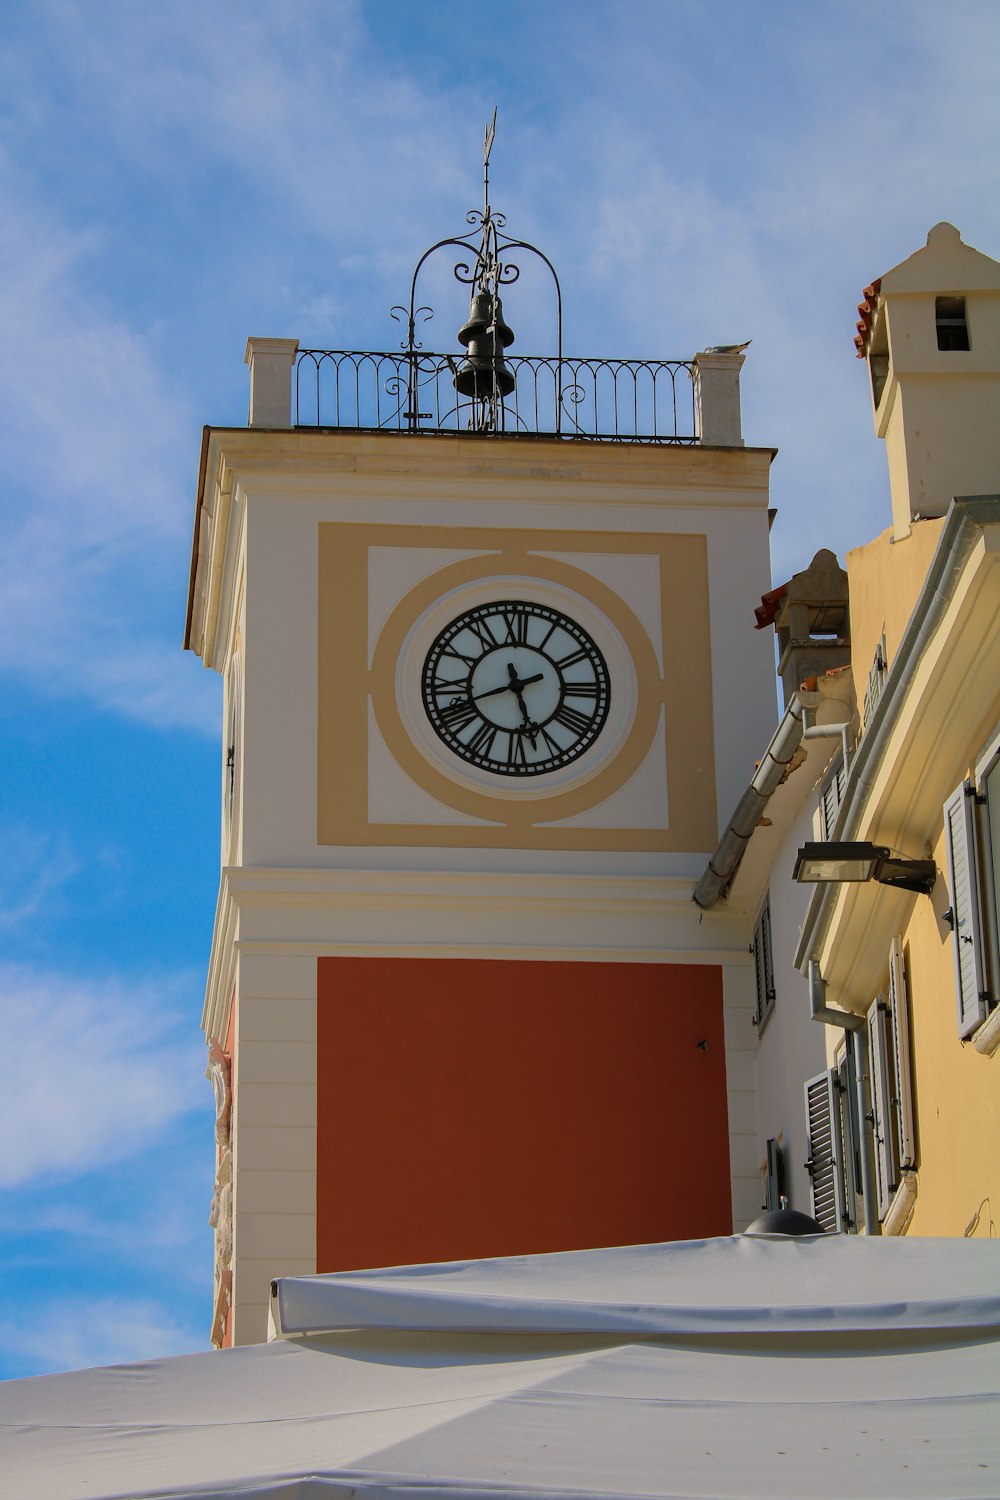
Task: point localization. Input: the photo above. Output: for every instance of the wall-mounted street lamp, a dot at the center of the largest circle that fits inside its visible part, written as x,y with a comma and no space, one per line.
838,863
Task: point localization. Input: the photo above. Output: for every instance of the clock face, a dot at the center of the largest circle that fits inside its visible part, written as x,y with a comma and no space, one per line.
516,688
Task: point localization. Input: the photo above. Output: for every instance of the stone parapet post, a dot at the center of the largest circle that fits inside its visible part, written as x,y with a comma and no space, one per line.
717,398
271,362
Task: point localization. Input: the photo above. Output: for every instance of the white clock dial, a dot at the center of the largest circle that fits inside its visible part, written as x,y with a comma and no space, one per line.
516,688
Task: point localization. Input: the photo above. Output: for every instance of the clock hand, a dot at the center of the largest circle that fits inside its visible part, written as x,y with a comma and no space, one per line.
513,686
527,726
491,692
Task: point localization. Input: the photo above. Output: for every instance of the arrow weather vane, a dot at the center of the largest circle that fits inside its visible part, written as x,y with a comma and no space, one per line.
487,147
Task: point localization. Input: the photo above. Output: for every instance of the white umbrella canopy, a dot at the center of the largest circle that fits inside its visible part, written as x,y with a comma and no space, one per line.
732,1367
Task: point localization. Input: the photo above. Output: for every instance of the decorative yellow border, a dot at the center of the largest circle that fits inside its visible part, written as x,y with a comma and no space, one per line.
683,691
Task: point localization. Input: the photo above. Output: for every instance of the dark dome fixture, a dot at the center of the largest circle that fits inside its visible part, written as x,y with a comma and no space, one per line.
484,380
784,1221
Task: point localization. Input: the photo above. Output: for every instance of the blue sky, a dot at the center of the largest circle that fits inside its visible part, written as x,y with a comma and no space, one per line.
176,177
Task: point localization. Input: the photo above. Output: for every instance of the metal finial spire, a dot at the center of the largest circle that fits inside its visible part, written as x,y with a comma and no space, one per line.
491,127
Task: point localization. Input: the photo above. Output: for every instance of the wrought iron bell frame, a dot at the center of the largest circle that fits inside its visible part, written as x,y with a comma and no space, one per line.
487,272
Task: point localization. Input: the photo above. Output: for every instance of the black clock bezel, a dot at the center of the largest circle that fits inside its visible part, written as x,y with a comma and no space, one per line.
567,716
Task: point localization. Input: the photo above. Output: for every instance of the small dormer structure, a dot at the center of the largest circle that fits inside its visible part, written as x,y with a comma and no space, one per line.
930,332
811,617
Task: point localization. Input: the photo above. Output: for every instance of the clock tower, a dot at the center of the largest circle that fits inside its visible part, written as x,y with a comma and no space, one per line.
486,639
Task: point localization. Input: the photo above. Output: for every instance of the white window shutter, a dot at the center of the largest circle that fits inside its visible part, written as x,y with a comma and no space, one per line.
763,958
760,974
831,798
900,1024
825,1164
847,1093
970,980
886,1174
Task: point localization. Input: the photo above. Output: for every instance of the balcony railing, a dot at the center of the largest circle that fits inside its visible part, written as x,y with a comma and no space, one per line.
604,400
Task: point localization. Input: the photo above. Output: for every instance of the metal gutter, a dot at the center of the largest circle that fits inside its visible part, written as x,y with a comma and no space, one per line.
784,742
966,518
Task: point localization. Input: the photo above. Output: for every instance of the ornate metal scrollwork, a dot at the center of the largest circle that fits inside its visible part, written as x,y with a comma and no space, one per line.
485,272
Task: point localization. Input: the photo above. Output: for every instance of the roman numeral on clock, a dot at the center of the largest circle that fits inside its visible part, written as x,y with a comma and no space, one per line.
517,628
470,661
516,753
458,716
570,719
450,685
571,660
482,634
481,743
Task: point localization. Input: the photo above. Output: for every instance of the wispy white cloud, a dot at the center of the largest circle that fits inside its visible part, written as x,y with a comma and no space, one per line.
73,1333
93,510
34,866
90,1070
824,185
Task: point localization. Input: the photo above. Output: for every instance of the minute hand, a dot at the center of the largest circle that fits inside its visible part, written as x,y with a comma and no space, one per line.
509,687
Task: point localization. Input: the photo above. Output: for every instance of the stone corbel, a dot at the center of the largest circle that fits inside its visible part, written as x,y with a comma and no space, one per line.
219,1074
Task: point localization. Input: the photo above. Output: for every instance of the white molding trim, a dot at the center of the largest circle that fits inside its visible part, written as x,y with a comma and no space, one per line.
429,887
311,947
556,918
900,1210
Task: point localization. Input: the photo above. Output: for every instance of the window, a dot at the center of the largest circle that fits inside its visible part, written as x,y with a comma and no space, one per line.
774,1178
763,963
876,680
952,328
831,796
972,832
889,1075
833,1115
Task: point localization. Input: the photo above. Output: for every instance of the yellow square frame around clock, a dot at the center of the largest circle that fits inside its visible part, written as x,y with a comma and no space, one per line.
681,694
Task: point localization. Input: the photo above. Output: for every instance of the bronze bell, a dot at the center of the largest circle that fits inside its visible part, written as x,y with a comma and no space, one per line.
485,335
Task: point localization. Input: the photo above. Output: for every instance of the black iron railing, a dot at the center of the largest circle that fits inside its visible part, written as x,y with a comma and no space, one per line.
604,400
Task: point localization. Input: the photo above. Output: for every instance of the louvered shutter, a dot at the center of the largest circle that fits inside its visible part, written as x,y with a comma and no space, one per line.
970,979
832,796
886,1174
763,960
900,1025
760,975
825,1164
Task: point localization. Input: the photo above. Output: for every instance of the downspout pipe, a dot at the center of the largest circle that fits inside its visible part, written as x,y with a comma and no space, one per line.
784,742
857,1043
820,1011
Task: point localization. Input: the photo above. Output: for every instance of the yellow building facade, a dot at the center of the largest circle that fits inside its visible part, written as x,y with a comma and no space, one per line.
913,1147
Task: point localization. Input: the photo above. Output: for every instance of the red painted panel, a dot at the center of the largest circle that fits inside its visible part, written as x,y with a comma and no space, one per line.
471,1107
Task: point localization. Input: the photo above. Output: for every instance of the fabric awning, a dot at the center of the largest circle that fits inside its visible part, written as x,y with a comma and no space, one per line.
795,1401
